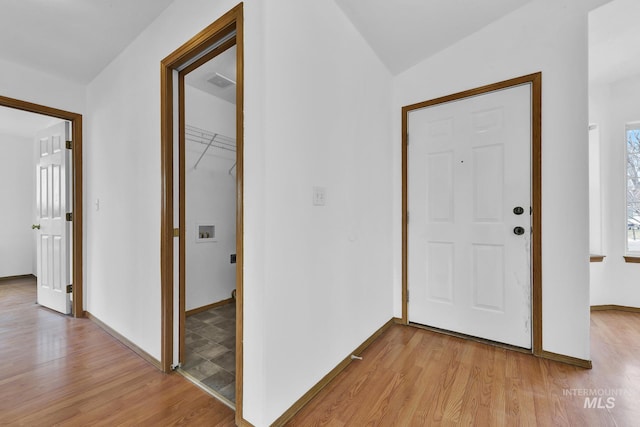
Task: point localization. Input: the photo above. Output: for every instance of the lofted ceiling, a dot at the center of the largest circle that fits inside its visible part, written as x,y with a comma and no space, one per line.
404,32
73,39
76,39
614,42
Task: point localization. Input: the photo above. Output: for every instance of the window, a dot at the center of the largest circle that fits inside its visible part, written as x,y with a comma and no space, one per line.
633,188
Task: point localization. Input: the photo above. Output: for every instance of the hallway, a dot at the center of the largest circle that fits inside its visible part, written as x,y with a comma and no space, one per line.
65,371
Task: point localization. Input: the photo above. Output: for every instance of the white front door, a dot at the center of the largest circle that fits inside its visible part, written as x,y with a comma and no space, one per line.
469,200
52,195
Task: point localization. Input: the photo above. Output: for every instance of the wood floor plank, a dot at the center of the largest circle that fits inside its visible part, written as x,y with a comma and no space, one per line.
62,371
58,370
414,377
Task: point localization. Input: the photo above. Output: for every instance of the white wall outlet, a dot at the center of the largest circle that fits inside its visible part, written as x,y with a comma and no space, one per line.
319,196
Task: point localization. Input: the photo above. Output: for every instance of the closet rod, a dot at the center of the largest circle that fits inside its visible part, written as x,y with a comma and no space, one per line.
205,150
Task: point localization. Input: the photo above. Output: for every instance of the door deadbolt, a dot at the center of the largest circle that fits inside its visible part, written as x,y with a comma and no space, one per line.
518,231
518,210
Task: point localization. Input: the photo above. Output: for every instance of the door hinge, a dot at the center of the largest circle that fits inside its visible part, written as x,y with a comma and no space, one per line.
176,232
69,289
407,295
407,139
69,145
69,216
407,217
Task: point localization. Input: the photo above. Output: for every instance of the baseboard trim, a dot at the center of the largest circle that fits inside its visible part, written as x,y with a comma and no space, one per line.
208,307
140,352
306,398
607,307
543,354
581,363
18,277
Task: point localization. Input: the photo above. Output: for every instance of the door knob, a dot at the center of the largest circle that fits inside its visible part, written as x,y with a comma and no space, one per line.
518,231
35,226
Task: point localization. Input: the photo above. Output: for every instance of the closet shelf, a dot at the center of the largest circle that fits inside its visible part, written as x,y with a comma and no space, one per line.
209,140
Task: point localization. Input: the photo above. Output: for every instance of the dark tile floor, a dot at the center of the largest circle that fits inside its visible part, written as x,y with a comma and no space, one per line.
210,342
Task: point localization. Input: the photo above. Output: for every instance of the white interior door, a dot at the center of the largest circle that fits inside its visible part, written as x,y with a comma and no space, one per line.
53,242
469,171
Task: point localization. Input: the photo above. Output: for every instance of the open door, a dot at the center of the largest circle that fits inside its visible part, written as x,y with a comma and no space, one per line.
52,196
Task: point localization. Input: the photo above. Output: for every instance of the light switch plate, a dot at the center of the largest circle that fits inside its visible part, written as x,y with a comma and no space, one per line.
319,196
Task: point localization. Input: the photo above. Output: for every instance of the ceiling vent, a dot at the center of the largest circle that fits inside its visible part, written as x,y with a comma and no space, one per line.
221,81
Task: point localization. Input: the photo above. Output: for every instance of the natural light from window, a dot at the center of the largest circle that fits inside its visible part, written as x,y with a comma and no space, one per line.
633,188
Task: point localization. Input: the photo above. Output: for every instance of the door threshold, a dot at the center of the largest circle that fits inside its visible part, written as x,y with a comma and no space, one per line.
472,338
208,390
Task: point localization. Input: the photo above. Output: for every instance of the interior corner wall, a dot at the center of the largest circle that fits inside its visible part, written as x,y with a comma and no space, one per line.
551,37
613,281
210,200
17,192
328,269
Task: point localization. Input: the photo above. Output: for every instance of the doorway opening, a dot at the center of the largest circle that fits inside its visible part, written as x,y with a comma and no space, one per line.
65,144
614,163
180,134
208,252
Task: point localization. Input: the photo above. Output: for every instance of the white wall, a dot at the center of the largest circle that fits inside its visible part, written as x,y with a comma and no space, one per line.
612,106
26,84
123,160
17,193
328,269
548,36
30,85
210,199
317,113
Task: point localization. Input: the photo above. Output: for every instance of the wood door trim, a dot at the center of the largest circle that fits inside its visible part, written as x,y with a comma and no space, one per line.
181,58
535,80
76,177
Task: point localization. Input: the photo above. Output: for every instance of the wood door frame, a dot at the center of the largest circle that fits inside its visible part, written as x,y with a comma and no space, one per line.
535,80
195,50
76,182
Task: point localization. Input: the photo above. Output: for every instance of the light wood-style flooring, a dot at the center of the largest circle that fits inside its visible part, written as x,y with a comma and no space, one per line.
414,377
55,370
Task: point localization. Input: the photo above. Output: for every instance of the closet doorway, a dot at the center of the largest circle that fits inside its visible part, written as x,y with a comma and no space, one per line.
214,40
207,271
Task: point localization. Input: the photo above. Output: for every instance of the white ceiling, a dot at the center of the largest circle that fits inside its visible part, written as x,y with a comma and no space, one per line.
74,39
614,41
404,32
223,64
